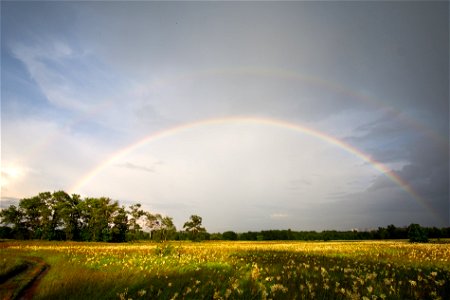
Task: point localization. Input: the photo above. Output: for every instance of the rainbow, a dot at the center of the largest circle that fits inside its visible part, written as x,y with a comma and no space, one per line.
377,104
257,121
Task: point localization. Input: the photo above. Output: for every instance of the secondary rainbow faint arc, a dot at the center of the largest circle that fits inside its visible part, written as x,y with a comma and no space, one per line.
277,73
259,121
335,87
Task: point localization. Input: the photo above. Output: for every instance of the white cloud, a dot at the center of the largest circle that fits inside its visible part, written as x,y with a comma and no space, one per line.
132,166
53,83
11,173
224,167
44,157
113,73
279,216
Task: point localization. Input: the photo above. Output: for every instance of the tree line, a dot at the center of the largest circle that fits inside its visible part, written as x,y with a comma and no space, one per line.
60,216
413,232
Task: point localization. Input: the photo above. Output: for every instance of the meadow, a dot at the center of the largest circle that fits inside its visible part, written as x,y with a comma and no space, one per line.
234,270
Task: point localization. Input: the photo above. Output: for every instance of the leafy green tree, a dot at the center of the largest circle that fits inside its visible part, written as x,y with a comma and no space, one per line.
135,214
382,233
52,218
14,217
153,223
167,229
230,236
97,215
217,236
194,227
120,225
70,211
58,215
36,213
417,234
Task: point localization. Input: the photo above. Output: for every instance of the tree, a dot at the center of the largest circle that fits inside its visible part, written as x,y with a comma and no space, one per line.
14,217
168,229
392,231
58,215
435,232
120,225
52,217
136,213
152,222
97,215
229,236
70,210
194,227
381,233
216,236
417,234
36,214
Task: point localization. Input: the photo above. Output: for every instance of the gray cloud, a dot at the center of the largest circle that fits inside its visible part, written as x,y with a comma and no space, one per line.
105,74
424,161
8,201
132,166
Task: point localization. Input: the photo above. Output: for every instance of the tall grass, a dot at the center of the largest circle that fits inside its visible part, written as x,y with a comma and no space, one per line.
241,270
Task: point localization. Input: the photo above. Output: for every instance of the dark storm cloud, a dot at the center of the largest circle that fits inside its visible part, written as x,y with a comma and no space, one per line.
425,161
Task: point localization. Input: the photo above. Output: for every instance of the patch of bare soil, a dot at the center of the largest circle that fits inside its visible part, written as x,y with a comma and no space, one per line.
22,284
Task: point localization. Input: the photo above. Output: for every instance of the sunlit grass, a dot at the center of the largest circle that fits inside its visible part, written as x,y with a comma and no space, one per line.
10,266
241,270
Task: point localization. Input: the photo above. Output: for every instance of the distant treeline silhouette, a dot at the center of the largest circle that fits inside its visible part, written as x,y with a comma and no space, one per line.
60,216
413,232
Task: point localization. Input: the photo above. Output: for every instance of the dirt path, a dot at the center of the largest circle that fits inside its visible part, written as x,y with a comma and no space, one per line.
23,284
30,290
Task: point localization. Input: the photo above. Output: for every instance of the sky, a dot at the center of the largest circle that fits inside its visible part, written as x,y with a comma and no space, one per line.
253,115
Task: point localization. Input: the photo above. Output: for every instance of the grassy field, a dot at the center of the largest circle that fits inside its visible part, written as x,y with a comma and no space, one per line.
236,270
